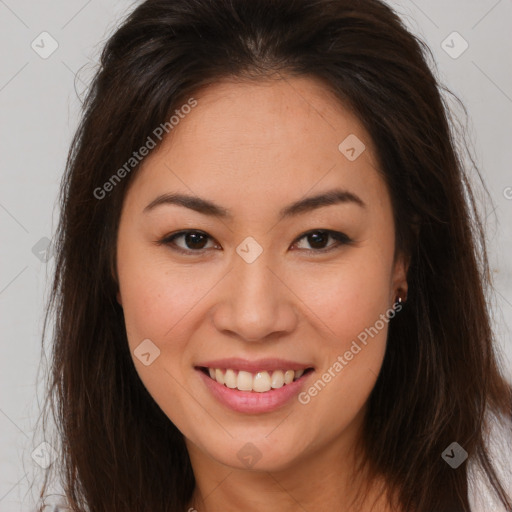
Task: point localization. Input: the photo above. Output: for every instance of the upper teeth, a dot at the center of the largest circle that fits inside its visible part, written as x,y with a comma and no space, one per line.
259,382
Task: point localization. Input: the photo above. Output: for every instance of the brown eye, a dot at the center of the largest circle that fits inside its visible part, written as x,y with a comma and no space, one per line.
194,241
318,240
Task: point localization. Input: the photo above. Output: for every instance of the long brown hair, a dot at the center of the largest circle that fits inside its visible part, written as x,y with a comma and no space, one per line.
440,377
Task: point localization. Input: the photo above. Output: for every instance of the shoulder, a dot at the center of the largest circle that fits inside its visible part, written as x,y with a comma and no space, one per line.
482,497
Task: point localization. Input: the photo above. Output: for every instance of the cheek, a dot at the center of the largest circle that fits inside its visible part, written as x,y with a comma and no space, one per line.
349,297
352,303
158,304
164,303
156,298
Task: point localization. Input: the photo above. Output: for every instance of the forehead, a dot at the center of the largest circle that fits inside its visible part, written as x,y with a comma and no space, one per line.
275,140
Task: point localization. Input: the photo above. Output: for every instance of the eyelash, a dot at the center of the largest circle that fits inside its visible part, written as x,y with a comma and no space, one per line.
341,239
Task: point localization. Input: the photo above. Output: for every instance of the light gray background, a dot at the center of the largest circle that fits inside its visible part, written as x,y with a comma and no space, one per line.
39,113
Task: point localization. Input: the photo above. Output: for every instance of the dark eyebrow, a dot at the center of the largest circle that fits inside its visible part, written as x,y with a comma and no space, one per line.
301,206
194,203
326,199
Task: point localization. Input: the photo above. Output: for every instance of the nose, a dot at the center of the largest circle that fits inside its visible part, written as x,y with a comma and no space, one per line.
256,303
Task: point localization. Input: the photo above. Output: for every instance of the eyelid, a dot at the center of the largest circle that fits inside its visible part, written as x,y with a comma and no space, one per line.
168,240
340,238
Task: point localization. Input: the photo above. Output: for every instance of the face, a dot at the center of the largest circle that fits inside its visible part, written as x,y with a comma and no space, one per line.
252,280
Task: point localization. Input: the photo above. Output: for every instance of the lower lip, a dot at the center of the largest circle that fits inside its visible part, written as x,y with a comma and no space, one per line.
252,402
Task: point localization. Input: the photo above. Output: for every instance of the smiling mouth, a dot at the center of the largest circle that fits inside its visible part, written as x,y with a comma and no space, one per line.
259,382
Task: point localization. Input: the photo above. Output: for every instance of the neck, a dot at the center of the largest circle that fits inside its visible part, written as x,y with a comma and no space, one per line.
321,480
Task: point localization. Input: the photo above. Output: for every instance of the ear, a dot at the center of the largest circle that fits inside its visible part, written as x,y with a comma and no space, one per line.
118,297
399,286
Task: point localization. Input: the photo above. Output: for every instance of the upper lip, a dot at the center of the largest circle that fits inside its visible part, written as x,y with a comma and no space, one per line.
237,363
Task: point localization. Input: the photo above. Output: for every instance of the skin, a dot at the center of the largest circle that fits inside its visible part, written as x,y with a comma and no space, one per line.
254,148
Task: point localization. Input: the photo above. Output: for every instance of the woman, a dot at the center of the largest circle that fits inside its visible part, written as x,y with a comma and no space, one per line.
270,286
